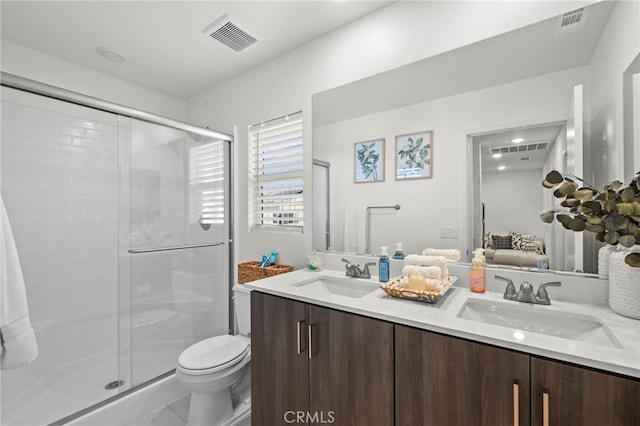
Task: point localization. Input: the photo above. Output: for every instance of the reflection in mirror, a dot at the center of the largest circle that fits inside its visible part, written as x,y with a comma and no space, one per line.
520,79
512,164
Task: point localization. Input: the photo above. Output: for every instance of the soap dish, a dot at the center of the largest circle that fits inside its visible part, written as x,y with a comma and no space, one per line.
394,289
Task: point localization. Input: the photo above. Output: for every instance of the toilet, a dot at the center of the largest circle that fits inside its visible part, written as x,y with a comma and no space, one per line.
209,369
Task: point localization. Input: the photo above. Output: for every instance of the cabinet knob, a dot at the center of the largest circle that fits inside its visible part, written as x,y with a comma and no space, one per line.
310,349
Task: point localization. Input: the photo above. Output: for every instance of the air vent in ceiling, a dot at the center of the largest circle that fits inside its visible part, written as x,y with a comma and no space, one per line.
514,149
571,22
230,34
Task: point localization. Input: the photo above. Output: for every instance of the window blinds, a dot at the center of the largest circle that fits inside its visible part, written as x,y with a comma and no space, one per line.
206,179
276,174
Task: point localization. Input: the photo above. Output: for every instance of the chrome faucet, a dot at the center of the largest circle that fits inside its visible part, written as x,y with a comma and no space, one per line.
355,271
525,294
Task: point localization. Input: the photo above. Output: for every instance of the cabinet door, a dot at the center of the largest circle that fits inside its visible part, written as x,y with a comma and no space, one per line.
279,360
581,397
351,368
443,380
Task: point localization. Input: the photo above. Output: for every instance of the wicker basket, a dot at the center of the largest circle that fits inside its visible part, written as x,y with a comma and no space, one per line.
251,271
394,289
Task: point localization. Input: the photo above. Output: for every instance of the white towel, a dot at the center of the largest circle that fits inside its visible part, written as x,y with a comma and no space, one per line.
452,255
355,229
18,341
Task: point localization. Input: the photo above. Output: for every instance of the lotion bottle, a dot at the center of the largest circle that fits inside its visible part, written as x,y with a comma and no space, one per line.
383,265
476,273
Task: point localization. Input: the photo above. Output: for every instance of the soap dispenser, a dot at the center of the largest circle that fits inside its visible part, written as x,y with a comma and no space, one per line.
398,254
383,265
476,273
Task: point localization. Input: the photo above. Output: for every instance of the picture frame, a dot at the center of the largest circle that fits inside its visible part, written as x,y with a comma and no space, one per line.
414,155
368,161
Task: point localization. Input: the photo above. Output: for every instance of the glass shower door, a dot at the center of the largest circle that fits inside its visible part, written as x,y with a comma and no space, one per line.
178,251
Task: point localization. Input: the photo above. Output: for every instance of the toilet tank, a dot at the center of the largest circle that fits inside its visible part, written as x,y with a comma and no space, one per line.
242,304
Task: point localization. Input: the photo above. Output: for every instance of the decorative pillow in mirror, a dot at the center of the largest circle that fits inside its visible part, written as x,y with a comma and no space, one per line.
501,242
520,241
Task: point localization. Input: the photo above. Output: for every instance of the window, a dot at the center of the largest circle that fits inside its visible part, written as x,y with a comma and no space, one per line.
206,179
276,174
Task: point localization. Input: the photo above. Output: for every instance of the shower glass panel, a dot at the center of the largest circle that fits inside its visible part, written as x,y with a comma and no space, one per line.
59,183
177,245
121,229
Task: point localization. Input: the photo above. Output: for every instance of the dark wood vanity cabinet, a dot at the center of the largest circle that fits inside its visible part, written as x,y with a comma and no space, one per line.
314,365
442,380
567,395
324,365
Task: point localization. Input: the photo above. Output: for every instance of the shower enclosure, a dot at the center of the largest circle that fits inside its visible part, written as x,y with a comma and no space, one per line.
122,231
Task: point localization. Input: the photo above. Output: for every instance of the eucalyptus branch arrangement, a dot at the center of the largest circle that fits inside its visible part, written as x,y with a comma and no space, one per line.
613,214
415,153
368,159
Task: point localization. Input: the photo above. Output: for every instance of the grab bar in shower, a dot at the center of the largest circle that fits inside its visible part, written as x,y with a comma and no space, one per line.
151,250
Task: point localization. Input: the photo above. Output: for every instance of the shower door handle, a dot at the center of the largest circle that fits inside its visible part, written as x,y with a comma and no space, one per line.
155,249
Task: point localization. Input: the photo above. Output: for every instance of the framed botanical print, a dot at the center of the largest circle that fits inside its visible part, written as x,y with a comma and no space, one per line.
414,155
369,161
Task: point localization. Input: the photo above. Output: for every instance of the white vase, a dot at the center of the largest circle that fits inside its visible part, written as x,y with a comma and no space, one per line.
624,284
603,260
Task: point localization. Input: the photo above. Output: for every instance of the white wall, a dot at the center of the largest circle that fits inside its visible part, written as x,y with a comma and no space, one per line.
397,35
427,204
512,202
618,46
35,65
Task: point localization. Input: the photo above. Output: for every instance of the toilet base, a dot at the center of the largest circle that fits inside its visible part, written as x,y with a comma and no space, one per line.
210,409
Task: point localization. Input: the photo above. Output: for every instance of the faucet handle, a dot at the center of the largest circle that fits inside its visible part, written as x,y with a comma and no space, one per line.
542,290
365,272
510,291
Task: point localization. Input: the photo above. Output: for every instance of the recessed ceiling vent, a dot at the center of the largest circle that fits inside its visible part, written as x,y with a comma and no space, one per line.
514,149
571,22
230,34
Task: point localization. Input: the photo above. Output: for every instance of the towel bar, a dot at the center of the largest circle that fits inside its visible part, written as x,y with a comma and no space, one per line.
397,207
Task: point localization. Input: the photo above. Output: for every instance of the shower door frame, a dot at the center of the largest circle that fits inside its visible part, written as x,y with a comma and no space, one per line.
57,93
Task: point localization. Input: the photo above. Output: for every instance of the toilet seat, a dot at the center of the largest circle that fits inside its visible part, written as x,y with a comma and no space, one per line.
213,354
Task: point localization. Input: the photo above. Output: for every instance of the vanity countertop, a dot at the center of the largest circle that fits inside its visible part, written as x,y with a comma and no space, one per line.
442,317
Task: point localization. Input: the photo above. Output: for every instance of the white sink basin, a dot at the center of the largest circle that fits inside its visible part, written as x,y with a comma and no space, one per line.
540,319
348,287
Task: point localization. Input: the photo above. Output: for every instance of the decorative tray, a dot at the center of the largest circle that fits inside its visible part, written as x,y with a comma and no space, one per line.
393,288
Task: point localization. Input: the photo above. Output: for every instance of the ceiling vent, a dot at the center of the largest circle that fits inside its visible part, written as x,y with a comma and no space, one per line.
571,22
514,149
230,34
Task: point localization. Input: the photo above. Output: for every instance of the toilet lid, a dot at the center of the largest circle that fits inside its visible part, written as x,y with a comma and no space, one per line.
213,352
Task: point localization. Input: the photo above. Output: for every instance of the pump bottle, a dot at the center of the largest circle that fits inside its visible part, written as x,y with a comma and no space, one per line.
476,273
383,265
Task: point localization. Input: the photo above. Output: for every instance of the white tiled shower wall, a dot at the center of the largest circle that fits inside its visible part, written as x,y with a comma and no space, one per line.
81,188
59,181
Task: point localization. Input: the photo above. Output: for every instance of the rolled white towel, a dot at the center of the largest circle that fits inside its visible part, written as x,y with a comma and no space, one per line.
425,271
417,260
452,255
434,284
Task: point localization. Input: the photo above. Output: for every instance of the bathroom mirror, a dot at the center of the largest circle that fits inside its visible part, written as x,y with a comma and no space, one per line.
523,79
